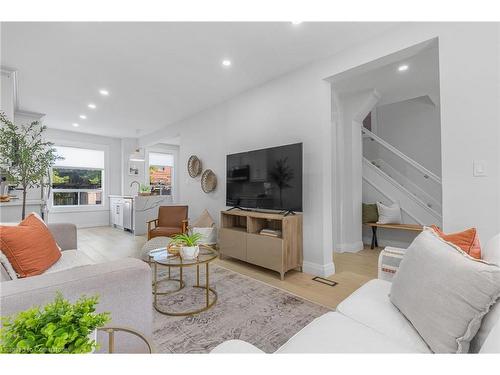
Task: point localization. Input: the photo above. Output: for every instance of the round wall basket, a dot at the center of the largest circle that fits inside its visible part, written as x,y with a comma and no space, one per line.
208,181
194,166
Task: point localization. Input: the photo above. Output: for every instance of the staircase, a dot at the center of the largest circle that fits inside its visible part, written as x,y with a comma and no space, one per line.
391,176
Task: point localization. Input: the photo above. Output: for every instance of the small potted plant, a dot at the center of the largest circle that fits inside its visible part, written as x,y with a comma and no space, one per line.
189,244
58,327
144,190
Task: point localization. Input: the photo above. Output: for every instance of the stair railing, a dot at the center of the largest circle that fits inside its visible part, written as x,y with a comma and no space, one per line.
426,173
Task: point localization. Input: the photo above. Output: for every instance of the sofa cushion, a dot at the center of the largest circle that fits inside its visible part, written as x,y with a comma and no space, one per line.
8,273
444,292
492,342
30,247
236,347
370,305
336,333
70,259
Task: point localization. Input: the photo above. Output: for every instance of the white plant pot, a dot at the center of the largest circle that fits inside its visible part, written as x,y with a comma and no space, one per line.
93,336
189,252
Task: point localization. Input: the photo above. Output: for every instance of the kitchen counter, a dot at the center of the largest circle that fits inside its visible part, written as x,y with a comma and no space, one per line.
19,202
144,209
11,212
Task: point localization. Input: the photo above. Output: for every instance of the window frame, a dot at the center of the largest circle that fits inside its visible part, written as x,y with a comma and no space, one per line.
104,181
167,151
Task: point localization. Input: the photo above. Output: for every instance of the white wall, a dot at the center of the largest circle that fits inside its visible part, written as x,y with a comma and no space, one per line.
90,216
413,127
296,107
7,94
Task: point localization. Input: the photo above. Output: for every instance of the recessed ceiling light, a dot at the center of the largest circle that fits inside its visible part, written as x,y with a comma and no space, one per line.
83,117
402,68
104,92
296,22
92,106
226,62
75,125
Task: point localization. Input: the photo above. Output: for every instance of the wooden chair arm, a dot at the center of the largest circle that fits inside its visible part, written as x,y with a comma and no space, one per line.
149,226
184,224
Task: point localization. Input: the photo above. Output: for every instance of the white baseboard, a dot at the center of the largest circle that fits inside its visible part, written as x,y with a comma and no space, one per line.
349,247
323,270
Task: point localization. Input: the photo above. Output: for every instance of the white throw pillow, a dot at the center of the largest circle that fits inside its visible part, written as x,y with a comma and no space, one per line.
389,214
444,292
491,252
5,264
209,235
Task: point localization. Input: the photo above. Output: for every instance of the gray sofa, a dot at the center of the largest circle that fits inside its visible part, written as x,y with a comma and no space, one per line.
124,288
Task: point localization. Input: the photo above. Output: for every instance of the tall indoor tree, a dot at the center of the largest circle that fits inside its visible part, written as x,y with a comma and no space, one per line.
25,155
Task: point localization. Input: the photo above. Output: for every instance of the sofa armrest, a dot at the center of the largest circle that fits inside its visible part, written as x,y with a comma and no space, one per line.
388,262
65,235
123,286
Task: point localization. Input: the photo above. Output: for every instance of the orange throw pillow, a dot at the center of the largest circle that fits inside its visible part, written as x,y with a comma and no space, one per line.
468,240
29,247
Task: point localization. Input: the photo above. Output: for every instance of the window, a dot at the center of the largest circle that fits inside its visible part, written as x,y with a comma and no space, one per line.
78,179
161,172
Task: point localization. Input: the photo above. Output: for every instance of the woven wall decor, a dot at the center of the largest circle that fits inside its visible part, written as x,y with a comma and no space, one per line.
194,166
208,181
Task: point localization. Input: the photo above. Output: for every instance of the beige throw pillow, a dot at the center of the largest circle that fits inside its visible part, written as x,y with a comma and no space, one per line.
444,292
203,221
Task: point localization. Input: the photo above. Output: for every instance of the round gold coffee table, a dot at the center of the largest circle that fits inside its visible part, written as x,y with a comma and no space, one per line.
205,256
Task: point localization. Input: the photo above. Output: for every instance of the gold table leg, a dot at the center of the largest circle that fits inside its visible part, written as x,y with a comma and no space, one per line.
197,275
207,286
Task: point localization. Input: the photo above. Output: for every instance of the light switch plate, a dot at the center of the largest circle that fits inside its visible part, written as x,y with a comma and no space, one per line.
479,169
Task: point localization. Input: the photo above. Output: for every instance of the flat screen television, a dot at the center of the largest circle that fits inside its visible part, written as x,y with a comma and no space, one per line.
270,178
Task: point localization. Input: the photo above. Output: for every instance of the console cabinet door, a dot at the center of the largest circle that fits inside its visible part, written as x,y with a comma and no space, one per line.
265,251
233,243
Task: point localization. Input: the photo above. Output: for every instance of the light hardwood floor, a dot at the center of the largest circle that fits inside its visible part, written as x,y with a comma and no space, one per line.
352,269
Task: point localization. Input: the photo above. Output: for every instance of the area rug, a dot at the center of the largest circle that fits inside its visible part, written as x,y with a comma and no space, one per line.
246,309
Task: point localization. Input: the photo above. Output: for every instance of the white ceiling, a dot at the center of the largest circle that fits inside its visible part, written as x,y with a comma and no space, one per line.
156,73
421,78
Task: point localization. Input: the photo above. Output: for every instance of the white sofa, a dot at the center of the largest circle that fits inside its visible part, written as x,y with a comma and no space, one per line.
123,286
367,322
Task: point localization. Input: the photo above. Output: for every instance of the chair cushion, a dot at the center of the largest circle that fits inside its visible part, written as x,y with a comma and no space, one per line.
370,305
165,231
336,333
70,259
29,247
444,292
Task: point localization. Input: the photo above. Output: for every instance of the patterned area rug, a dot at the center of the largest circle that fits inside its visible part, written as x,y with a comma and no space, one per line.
246,309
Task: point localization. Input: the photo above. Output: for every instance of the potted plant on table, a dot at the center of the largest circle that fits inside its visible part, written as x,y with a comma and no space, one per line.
144,190
59,327
188,243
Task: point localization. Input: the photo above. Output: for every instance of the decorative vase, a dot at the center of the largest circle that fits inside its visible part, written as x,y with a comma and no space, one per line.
189,252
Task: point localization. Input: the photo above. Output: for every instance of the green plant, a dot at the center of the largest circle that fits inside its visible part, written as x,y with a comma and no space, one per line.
25,153
145,188
187,239
58,327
